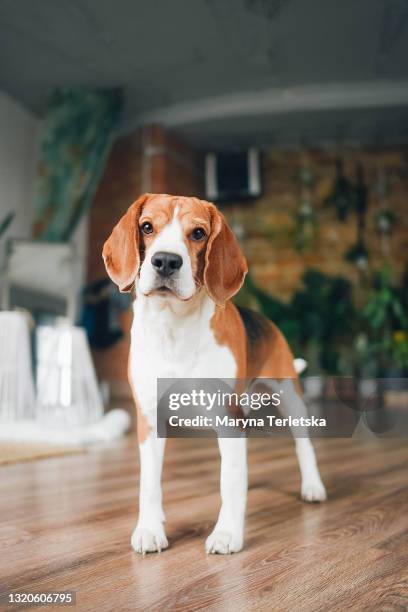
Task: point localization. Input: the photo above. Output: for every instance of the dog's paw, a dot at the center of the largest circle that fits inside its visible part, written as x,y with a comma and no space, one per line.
149,539
313,491
223,542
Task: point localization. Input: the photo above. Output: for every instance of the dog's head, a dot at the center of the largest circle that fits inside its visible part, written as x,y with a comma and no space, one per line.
173,246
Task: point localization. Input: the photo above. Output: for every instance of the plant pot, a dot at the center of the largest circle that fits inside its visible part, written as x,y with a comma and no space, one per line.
394,379
313,386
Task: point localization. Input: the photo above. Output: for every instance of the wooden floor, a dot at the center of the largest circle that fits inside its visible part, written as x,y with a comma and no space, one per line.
65,524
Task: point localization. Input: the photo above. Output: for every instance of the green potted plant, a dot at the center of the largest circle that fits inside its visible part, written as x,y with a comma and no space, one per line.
326,314
387,323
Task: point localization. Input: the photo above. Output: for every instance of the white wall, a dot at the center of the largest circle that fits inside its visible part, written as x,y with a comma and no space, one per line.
18,146
19,135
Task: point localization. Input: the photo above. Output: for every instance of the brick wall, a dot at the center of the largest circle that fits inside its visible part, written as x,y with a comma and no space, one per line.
267,223
170,166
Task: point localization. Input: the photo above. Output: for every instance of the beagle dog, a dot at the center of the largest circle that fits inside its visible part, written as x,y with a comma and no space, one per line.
184,264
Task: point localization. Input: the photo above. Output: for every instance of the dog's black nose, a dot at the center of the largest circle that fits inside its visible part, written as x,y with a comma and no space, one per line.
166,264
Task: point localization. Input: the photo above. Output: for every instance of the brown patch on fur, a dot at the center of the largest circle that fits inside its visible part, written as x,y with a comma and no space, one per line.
143,427
258,336
229,331
225,265
269,355
159,211
259,348
121,251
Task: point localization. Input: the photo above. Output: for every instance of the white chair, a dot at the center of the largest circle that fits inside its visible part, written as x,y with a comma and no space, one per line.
16,378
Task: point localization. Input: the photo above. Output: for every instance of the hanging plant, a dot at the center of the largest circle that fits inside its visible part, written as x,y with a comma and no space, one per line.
305,228
361,196
385,221
306,177
358,255
342,196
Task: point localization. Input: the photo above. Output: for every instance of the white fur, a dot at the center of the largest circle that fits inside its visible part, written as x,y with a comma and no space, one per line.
228,534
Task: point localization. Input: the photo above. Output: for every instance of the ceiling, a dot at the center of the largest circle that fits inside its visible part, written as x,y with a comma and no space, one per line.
222,72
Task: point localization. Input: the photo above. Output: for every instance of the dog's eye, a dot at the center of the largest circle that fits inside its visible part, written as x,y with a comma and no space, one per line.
197,234
147,228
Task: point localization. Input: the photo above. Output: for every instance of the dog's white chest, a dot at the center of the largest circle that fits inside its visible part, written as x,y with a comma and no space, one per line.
168,344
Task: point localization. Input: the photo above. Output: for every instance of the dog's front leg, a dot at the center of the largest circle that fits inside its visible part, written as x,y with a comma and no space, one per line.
149,535
228,534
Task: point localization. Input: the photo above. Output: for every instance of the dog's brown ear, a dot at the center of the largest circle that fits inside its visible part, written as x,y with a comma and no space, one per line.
225,265
121,250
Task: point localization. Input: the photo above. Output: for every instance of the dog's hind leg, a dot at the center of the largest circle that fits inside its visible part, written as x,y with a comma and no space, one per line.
292,404
278,372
